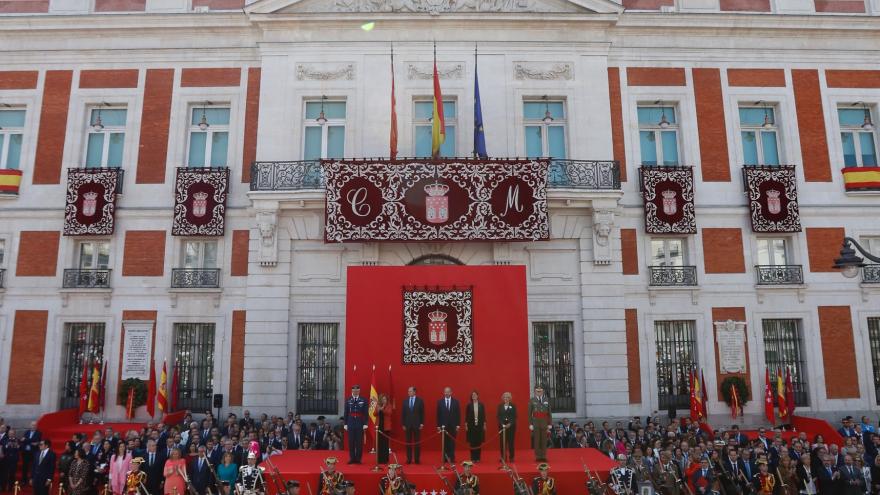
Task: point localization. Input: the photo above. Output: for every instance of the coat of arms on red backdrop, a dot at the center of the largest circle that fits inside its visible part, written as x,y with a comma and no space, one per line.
91,201
428,200
773,202
437,325
200,201
669,200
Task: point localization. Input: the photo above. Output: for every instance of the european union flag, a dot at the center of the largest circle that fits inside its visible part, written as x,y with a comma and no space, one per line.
479,136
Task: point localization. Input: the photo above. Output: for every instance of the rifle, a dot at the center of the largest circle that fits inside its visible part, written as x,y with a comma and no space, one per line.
519,485
407,487
275,475
214,475
594,485
445,481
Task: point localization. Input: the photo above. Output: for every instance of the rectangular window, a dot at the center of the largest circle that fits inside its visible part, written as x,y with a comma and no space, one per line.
208,137
874,338
760,136
658,135
545,122
668,252
782,349
83,344
318,371
676,357
423,111
11,132
93,255
554,363
324,129
773,252
857,137
194,357
199,254
105,137
2,252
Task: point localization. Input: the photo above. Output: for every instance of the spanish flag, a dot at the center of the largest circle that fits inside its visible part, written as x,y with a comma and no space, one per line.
698,398
94,392
10,180
161,394
438,123
780,395
734,401
373,412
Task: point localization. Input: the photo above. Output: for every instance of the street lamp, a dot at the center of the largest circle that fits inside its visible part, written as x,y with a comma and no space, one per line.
849,264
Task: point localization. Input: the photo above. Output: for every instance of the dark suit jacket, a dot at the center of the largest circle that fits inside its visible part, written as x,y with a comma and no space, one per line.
43,470
827,486
703,484
469,415
451,417
154,471
200,478
803,477
506,417
413,417
851,484
30,440
293,442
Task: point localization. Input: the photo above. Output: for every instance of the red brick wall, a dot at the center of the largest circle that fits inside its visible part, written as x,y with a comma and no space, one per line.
633,361
236,359
251,119
852,78
53,126
745,5
617,142
724,314
838,352
155,119
715,164
655,76
24,6
723,250
756,78
646,4
144,254
120,5
18,79
210,77
630,251
37,253
26,357
240,240
811,125
823,246
219,4
840,6
121,78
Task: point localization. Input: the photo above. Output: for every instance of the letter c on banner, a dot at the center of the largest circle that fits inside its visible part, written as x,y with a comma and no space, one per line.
357,199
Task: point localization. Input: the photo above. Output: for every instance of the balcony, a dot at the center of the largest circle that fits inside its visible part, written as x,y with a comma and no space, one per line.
195,278
870,274
75,278
594,175
780,274
673,276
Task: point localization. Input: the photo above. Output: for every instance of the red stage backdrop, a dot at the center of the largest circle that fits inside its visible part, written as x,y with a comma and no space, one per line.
374,336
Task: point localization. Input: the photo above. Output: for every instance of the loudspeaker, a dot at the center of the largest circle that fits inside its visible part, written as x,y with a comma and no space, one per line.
218,401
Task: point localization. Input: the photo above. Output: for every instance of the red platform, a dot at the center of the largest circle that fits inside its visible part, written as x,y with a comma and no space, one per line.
566,466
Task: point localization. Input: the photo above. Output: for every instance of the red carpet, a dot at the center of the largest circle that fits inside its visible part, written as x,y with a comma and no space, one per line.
566,466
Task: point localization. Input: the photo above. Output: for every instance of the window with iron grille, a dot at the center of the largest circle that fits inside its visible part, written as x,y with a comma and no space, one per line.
194,358
83,343
676,357
782,349
874,337
554,363
318,370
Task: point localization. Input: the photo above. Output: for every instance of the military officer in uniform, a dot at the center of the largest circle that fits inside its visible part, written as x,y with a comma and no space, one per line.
391,483
355,417
667,476
543,484
135,478
250,477
540,422
330,482
622,479
468,483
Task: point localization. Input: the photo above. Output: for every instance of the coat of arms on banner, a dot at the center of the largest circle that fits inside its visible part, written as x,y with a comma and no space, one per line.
437,326
669,200
91,201
200,201
773,202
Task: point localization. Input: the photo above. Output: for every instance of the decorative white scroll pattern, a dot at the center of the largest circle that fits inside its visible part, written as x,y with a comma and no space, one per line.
317,73
681,217
773,201
542,72
211,181
77,214
438,6
459,302
426,71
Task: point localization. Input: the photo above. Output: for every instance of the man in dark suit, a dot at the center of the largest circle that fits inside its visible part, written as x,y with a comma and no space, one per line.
295,438
852,481
28,445
703,478
448,421
828,477
475,425
316,436
413,421
506,416
214,453
44,468
153,464
199,472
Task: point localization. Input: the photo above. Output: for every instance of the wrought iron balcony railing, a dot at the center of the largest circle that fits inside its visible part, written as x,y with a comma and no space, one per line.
306,174
673,276
780,274
195,278
75,278
870,274
2,278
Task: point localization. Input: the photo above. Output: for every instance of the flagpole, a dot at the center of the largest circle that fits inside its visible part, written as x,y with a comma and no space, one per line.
475,97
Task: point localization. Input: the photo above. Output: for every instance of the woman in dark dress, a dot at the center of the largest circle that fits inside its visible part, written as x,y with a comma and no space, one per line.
78,474
475,425
385,412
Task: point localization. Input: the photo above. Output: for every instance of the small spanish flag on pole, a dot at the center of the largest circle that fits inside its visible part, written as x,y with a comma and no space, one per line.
392,138
161,393
734,401
94,393
438,123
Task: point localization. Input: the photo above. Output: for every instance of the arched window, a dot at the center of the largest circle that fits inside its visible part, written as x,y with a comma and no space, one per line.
435,259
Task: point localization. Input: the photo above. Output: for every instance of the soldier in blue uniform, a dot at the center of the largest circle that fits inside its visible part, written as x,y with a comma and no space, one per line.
355,423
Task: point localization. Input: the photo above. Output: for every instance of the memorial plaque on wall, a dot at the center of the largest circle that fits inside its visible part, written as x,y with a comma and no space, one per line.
730,336
137,349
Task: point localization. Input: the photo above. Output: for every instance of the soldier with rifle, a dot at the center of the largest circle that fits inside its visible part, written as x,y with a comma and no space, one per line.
331,480
250,478
666,475
622,478
467,483
543,484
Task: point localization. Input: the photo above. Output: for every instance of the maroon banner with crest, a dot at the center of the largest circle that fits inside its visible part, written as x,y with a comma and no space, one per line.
91,201
438,325
669,200
425,200
773,200
200,201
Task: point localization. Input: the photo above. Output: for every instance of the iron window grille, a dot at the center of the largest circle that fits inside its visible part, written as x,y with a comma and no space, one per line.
676,357
194,357
318,371
673,276
779,274
83,344
783,350
195,278
75,278
554,363
870,274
